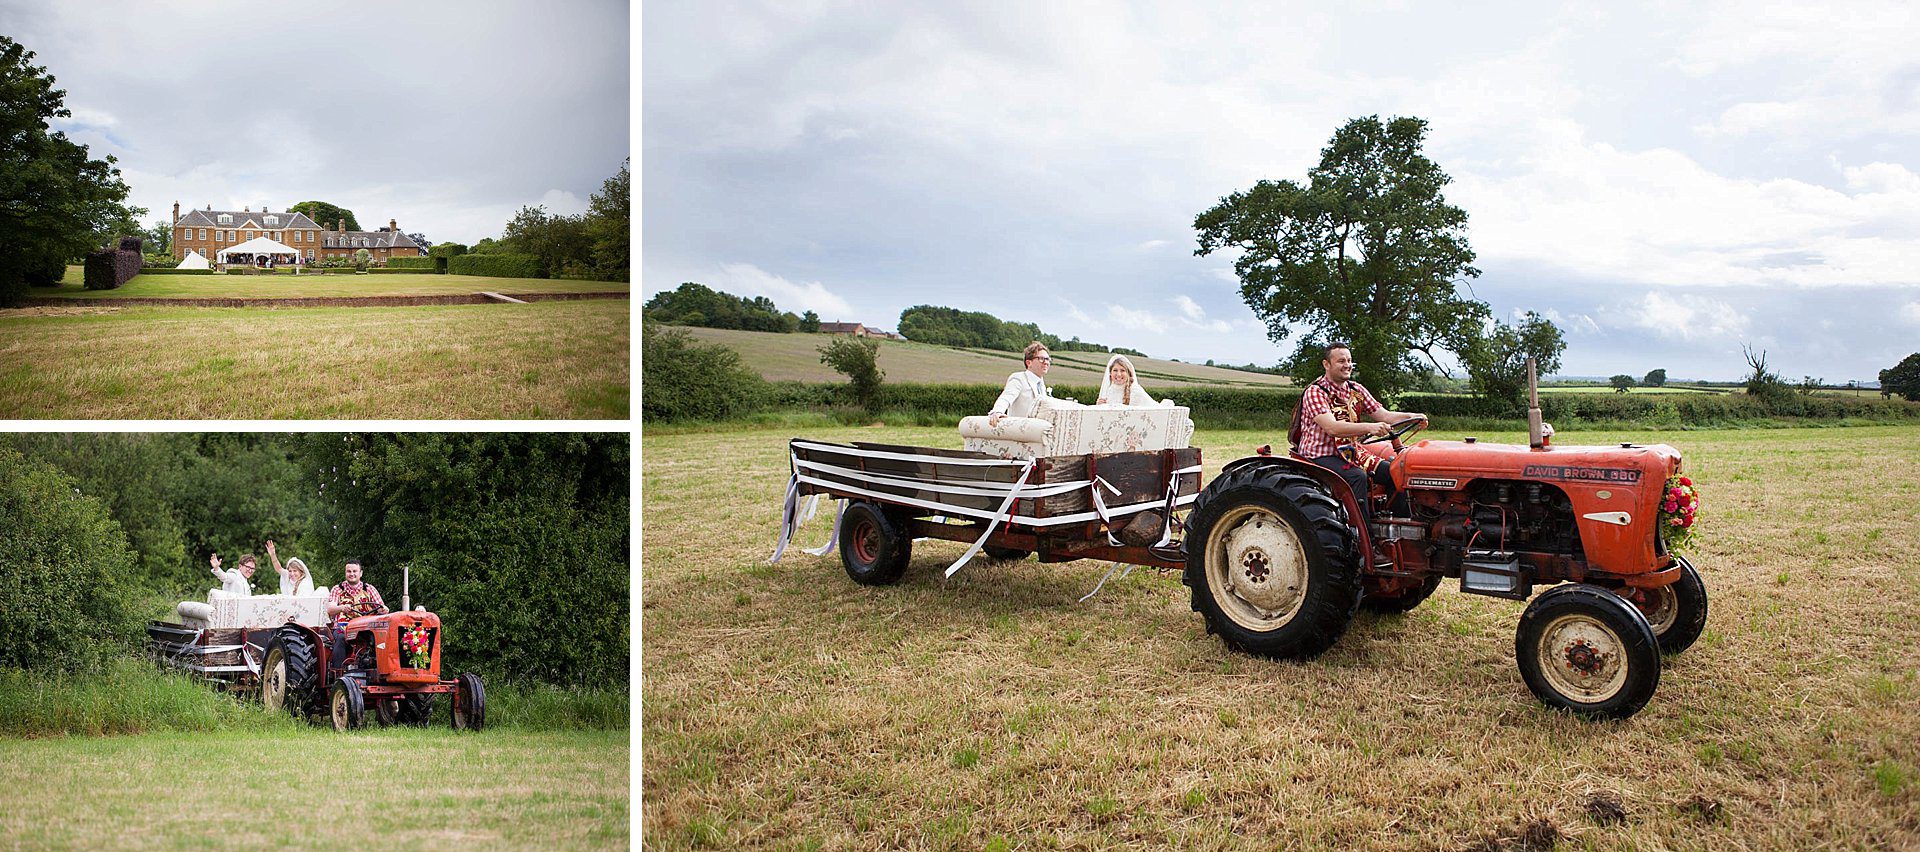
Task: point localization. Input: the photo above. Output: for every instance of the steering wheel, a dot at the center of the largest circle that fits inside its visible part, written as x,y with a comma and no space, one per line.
1400,430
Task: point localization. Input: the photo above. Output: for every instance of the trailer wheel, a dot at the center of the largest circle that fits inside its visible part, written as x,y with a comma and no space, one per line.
1677,612
1405,601
286,678
1271,561
1006,554
873,547
470,704
349,704
1585,649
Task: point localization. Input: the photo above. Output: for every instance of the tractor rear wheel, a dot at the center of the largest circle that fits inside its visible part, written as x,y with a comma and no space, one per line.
1585,649
470,704
349,704
286,677
873,546
414,710
1677,612
1272,563
1399,602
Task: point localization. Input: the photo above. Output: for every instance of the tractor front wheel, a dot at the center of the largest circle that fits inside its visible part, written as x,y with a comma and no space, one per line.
286,678
1677,611
470,704
349,704
873,547
1271,562
1585,649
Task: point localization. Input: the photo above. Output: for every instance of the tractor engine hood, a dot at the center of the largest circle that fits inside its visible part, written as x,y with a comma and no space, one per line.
1615,490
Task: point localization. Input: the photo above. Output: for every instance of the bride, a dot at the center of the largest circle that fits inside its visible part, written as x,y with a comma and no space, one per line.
1121,387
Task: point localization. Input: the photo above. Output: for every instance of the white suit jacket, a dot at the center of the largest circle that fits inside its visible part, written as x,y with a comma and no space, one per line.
1022,393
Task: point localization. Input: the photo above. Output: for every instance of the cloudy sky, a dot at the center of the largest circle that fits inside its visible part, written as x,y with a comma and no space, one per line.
447,116
1667,181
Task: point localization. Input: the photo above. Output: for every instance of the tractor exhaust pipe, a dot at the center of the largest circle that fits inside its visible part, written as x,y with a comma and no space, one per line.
1535,436
406,582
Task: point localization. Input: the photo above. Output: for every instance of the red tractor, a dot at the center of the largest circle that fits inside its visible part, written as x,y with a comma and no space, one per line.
1278,566
388,663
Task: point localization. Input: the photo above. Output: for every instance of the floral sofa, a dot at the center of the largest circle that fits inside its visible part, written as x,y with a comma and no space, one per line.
224,610
1067,428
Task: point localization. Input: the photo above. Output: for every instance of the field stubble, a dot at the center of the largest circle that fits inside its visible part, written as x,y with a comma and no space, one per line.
541,360
785,704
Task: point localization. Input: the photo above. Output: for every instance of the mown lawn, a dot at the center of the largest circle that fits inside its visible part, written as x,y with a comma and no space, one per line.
312,788
291,286
539,360
784,705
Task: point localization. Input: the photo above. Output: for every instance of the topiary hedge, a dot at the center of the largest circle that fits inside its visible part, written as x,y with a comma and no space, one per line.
109,268
410,263
64,592
495,265
392,270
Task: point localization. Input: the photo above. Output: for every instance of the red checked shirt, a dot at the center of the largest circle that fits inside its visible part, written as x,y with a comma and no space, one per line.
360,598
1346,404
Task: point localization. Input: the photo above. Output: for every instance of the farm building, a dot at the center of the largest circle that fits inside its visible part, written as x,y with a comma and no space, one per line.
211,231
853,328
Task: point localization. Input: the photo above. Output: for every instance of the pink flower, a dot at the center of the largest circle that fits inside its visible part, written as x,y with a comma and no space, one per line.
1677,522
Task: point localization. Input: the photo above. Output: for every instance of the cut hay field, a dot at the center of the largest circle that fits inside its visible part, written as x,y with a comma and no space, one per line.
292,286
785,706
796,357
539,360
312,788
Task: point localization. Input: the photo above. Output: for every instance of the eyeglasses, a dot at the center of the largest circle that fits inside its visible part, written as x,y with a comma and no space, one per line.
1042,360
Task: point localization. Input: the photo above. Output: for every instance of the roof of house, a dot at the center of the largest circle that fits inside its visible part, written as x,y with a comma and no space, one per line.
382,238
255,219
840,327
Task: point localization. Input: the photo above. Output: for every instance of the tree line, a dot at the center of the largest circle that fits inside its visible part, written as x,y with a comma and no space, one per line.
518,541
946,326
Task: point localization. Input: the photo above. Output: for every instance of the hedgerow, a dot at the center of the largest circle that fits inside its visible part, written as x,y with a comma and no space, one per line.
495,265
64,599
410,263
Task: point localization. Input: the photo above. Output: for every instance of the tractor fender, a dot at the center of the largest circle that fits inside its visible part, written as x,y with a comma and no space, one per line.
1335,484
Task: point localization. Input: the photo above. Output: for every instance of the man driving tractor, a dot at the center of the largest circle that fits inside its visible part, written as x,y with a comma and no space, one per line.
1327,428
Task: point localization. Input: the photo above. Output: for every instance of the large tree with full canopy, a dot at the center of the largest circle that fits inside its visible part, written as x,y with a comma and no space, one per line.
1366,251
326,215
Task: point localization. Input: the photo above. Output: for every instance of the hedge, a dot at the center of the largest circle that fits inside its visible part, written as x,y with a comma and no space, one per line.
390,269
108,268
174,270
410,263
68,604
495,265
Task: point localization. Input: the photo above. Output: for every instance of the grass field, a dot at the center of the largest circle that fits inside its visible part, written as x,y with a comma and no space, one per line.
796,357
785,705
309,788
289,286
540,360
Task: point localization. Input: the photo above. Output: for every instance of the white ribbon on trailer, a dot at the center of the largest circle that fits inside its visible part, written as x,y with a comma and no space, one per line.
813,472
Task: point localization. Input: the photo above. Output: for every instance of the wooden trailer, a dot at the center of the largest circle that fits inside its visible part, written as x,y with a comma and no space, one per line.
1119,506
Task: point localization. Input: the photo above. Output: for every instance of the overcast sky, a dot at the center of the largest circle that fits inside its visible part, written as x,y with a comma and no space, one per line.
447,116
1666,181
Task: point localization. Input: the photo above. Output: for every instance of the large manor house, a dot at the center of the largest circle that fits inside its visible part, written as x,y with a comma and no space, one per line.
208,231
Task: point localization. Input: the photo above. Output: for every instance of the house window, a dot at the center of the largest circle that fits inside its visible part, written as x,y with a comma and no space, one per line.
309,254
273,221
203,233
309,236
249,235
225,219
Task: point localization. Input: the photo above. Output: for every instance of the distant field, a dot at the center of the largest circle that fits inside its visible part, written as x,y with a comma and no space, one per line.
540,360
1609,389
795,357
785,706
287,286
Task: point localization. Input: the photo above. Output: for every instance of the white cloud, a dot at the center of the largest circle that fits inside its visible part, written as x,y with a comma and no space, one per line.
1691,318
86,117
745,279
1190,308
560,202
1135,319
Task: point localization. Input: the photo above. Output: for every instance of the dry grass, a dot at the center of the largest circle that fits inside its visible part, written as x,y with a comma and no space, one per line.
290,286
313,788
795,357
785,705
541,360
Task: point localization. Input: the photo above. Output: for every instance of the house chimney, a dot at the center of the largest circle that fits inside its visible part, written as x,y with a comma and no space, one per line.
176,212
343,224
246,209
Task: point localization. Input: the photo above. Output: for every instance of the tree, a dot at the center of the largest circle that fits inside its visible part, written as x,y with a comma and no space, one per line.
810,322
159,238
55,201
1621,383
1809,384
559,243
608,226
326,215
1366,252
683,379
1902,378
66,563
1763,383
1496,362
1656,378
858,360
420,239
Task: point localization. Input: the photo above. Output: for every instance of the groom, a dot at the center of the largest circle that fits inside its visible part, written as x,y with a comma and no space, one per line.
1025,388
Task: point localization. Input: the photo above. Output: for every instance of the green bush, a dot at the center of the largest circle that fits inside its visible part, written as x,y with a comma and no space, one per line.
159,261
46,272
442,253
389,269
410,263
495,265
157,270
681,379
64,589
